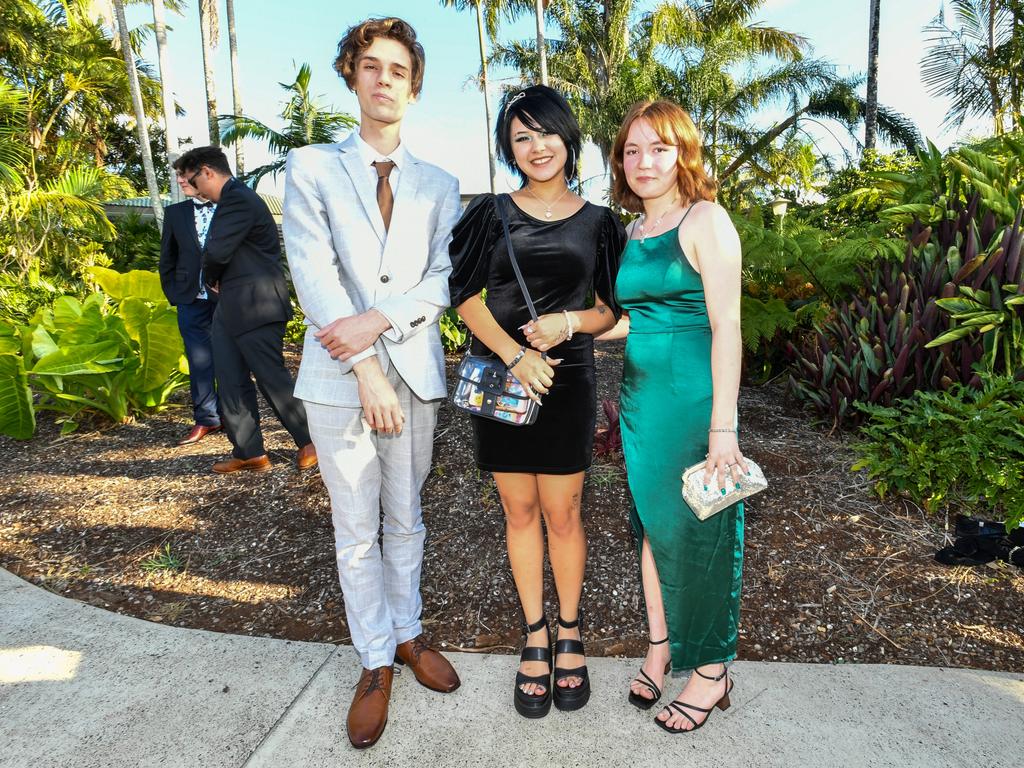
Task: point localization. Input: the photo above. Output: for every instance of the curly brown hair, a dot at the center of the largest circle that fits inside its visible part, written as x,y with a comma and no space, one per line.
360,37
673,125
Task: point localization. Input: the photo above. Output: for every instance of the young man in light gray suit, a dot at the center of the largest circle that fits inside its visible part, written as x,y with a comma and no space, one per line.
366,228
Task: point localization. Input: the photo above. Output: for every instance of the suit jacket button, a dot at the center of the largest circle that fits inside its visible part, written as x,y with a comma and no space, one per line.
384,278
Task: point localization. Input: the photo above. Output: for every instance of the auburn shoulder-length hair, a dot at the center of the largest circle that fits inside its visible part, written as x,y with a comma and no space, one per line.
674,126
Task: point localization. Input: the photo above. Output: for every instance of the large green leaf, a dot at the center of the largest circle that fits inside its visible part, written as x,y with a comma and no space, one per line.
137,283
102,357
66,311
10,344
87,329
17,416
136,314
160,348
42,343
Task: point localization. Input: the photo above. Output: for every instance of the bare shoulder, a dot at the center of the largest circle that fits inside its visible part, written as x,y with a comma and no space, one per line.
709,231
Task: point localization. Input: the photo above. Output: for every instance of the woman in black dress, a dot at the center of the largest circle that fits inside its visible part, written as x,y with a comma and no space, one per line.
568,251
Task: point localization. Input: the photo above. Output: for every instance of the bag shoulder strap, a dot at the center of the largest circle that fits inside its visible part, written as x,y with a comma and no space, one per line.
499,203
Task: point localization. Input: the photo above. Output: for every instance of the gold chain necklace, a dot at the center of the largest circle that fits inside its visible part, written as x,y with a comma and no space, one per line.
548,207
643,218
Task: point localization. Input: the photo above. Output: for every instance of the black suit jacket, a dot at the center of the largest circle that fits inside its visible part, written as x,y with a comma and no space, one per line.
243,254
180,255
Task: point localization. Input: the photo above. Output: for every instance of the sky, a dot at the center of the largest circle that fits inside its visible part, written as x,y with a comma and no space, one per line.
447,125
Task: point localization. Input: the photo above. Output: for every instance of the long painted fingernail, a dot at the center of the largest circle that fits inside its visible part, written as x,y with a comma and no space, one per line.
723,491
737,486
705,487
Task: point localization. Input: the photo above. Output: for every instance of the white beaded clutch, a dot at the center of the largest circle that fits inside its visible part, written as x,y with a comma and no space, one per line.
706,503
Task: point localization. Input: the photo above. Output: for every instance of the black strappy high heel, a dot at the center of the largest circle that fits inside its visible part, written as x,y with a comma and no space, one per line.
678,706
642,702
566,697
535,705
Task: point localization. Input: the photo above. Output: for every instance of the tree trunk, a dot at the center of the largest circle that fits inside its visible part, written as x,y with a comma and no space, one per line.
487,99
167,98
541,52
140,113
993,80
773,133
236,87
208,28
871,112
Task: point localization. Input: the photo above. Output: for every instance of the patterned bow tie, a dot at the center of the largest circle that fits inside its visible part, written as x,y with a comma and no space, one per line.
207,204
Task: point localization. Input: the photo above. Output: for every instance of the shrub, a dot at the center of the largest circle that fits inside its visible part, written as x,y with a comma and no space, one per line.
454,334
890,339
135,245
117,353
960,449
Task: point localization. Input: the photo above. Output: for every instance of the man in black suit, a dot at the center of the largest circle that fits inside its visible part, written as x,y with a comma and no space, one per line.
181,260
242,264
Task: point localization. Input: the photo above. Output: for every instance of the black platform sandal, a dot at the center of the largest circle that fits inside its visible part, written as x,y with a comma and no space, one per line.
534,705
677,706
566,697
642,702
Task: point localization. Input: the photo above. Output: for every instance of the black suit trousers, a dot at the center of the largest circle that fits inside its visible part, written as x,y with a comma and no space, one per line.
258,354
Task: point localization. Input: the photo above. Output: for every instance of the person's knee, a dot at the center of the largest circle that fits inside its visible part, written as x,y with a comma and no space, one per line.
520,513
563,520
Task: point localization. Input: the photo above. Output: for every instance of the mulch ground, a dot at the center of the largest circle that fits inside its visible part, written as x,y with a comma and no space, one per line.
121,518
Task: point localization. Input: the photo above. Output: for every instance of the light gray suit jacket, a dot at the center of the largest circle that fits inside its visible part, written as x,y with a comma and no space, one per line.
343,263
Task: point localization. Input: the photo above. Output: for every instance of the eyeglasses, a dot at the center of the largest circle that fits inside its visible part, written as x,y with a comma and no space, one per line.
192,181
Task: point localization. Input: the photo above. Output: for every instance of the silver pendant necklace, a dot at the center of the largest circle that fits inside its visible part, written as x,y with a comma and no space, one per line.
643,218
548,207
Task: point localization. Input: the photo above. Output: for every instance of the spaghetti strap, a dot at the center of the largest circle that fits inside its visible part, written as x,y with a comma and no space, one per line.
687,213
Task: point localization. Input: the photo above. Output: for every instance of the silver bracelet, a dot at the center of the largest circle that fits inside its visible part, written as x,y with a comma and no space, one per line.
519,356
724,429
568,325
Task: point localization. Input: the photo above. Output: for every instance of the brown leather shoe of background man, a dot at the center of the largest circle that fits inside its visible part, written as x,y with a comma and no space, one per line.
368,713
256,464
306,458
431,668
199,431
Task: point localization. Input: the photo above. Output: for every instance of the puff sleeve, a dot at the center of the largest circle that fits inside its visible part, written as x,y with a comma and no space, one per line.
473,240
611,242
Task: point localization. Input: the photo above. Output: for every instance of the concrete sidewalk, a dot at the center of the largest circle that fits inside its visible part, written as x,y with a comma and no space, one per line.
83,687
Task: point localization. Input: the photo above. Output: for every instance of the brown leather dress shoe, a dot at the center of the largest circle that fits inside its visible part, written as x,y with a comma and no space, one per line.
199,431
369,711
257,464
307,457
431,668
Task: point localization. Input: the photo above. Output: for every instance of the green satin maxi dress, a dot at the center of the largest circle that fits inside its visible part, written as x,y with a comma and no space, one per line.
665,407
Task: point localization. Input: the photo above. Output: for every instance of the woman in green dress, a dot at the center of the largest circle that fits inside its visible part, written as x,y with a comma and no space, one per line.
679,287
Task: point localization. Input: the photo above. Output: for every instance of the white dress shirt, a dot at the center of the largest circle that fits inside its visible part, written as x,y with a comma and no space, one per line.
371,155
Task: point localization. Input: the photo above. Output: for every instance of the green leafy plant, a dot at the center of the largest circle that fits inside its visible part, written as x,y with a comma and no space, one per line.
962,449
890,338
454,334
163,560
117,352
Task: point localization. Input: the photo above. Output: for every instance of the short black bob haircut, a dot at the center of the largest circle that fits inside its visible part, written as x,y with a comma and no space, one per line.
539,108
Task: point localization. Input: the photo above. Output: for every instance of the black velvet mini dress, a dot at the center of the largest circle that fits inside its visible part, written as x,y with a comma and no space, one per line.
564,263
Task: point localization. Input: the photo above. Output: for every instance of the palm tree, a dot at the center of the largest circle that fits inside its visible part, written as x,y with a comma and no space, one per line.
840,103
605,59
539,7
307,122
166,96
236,87
140,113
209,28
871,113
977,65
461,5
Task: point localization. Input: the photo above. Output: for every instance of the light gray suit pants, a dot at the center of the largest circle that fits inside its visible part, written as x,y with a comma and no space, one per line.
365,473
